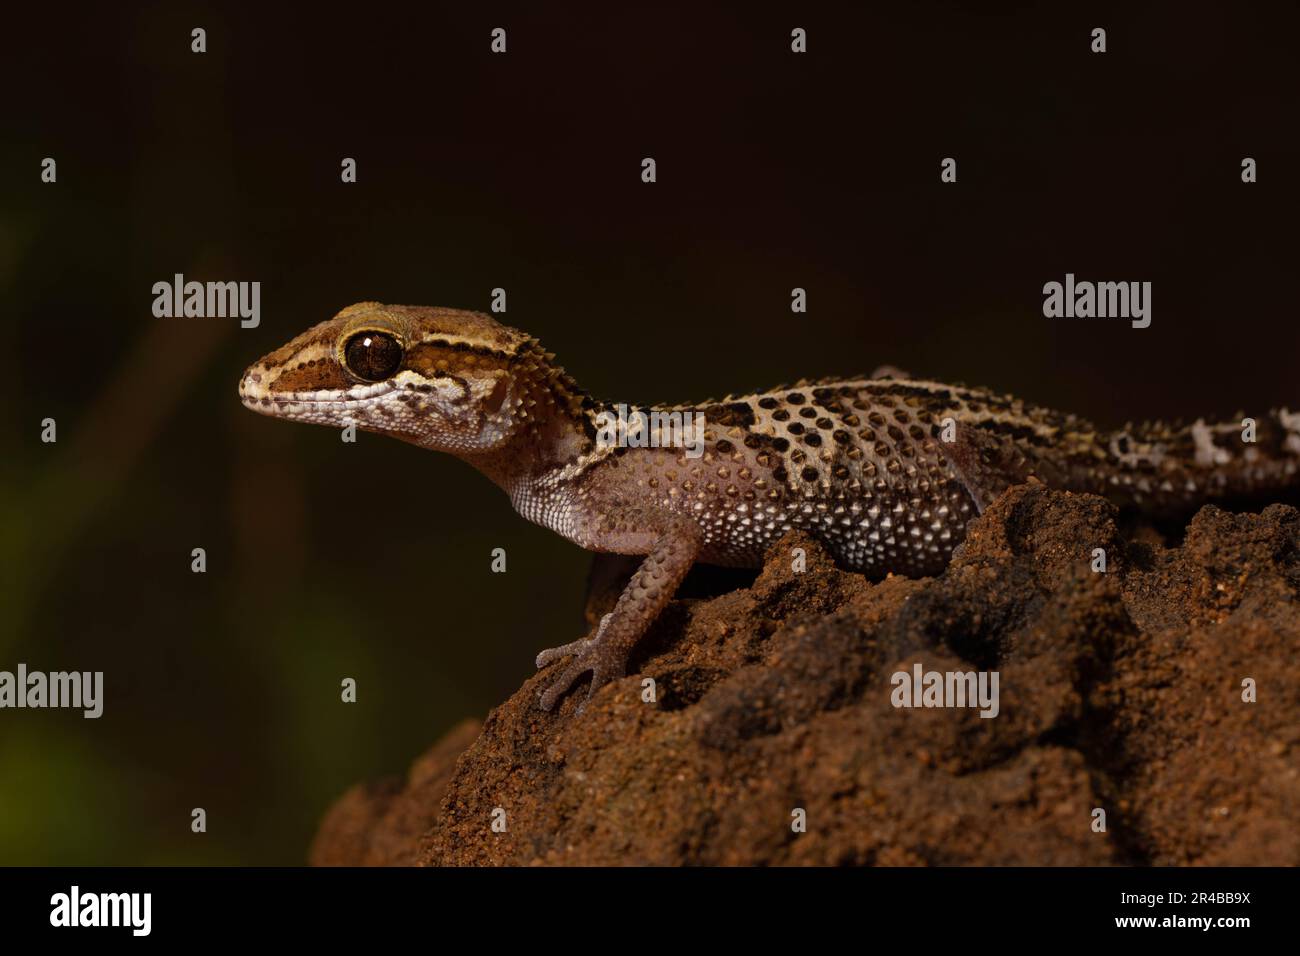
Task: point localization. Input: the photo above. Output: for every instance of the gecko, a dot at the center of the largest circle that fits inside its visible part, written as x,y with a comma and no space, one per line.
885,471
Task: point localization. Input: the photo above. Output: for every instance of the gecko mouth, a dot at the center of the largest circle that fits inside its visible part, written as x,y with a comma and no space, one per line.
261,399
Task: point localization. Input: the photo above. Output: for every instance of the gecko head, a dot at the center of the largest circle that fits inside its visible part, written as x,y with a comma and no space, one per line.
439,378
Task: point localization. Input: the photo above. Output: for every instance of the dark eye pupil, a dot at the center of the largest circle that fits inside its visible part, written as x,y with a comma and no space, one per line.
373,356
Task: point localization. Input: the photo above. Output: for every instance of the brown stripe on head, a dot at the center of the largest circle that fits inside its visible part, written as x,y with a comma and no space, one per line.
311,375
440,357
318,339
454,327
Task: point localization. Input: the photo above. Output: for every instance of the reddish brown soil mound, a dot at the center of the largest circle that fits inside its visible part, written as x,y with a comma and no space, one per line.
1119,690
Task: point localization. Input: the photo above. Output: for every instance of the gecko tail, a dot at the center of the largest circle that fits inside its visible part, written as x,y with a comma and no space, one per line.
1177,466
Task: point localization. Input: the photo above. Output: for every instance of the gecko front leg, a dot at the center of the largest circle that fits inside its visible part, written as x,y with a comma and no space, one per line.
671,544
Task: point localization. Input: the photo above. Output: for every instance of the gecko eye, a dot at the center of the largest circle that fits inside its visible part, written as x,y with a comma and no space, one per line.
372,356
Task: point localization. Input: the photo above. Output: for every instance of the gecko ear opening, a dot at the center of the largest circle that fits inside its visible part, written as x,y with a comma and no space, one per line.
494,399
487,411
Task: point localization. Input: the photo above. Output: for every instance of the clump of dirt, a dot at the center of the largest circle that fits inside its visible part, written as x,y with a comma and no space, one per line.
1120,691
381,823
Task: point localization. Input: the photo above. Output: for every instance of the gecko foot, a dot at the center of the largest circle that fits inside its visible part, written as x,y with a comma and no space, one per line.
594,654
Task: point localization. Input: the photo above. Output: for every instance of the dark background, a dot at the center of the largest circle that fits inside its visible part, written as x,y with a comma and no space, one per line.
328,560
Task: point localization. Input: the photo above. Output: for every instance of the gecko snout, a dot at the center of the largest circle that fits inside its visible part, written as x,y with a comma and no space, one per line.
251,387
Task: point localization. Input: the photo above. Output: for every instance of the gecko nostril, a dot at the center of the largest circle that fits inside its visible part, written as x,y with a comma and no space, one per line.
250,386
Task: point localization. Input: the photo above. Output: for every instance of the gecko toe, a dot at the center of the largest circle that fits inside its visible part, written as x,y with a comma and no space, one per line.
561,685
552,654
